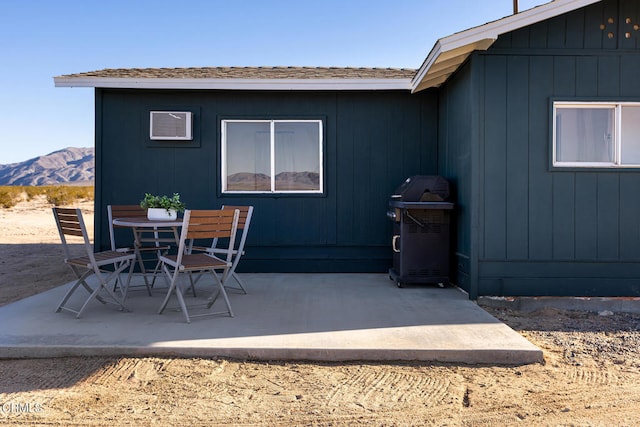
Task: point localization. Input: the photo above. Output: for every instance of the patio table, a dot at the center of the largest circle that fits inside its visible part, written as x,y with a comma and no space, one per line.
148,231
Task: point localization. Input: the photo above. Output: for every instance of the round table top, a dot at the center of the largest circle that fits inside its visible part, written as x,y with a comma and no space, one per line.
144,222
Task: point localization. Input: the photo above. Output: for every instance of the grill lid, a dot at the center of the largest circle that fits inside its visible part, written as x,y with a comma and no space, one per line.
422,188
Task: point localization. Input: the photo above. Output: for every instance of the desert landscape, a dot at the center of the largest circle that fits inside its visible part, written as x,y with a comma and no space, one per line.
590,377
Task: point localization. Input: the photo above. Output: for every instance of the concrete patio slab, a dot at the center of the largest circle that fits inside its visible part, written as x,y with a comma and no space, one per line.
319,317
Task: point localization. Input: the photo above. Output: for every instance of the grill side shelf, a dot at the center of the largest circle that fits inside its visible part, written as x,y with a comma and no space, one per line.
420,205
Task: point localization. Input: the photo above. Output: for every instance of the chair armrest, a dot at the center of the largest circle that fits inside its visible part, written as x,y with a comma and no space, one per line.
154,248
222,251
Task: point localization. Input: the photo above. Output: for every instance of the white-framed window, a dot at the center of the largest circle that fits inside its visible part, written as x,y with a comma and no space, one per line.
596,134
272,156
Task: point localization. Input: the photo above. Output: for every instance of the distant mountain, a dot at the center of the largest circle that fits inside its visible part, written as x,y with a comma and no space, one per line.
298,181
249,181
284,181
67,166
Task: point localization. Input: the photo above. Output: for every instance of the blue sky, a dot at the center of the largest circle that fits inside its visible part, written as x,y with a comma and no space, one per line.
40,39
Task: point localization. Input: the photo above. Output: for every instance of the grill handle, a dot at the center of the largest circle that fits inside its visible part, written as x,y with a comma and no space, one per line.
394,243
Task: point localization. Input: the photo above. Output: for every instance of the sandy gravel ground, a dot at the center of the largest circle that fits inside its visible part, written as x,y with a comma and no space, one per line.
591,374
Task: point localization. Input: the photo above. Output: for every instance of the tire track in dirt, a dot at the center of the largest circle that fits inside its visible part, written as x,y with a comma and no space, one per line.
43,374
127,370
591,376
386,388
492,420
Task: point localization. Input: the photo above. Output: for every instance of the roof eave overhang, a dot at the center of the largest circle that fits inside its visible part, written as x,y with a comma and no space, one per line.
235,84
450,52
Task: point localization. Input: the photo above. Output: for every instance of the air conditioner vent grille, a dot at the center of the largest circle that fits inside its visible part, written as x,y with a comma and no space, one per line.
170,125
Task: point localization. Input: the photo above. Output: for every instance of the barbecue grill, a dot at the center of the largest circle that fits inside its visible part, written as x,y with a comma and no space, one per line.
421,218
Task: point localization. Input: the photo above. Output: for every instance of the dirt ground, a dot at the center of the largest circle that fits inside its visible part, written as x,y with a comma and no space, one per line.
591,374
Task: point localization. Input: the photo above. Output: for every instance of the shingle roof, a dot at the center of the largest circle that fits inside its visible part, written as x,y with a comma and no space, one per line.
244,78
248,73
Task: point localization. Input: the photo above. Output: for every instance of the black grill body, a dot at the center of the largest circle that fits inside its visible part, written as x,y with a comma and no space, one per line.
421,232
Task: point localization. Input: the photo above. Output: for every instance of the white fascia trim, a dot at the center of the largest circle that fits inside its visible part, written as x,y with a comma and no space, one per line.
235,84
492,30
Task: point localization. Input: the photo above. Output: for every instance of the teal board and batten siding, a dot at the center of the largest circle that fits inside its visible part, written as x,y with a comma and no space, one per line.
372,142
458,147
546,231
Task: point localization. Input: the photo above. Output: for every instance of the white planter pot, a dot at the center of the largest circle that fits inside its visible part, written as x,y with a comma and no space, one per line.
161,214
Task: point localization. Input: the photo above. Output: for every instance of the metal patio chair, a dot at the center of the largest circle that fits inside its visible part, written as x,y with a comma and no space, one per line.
201,225
148,241
71,225
244,221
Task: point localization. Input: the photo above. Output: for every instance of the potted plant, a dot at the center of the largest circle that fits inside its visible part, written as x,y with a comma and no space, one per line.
162,207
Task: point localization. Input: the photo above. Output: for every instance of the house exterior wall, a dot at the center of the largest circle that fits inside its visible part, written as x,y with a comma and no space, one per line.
545,230
372,142
456,138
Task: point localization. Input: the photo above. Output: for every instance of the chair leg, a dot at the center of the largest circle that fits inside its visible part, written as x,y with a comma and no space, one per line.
240,284
174,287
126,286
80,281
118,281
143,271
222,292
84,283
104,284
171,286
155,273
179,288
68,295
183,305
192,283
93,295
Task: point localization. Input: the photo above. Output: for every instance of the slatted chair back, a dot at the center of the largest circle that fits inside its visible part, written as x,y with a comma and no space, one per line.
210,224
122,211
244,221
70,223
245,215
199,225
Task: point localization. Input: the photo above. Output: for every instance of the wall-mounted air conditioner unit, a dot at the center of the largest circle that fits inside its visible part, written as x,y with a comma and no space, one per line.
171,125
